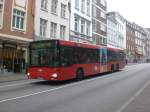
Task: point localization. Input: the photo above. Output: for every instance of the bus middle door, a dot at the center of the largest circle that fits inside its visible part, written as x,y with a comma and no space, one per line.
103,60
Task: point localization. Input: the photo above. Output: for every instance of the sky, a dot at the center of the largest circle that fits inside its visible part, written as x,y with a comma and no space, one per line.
137,11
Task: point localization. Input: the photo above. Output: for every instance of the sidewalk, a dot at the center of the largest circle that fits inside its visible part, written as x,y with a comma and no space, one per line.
140,103
133,64
6,77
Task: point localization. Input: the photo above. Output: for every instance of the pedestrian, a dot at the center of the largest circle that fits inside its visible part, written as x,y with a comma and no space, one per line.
126,61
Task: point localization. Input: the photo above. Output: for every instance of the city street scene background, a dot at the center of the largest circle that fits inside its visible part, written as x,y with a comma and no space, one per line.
92,23
85,21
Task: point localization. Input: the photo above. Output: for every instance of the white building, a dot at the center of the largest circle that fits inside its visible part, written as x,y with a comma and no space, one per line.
51,19
81,21
116,30
111,32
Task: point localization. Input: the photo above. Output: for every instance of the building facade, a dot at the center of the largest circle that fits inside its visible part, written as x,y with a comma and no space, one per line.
51,19
81,21
99,22
16,31
111,32
147,30
140,43
136,42
130,35
116,36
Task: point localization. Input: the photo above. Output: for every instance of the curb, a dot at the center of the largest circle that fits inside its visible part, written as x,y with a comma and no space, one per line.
12,77
12,80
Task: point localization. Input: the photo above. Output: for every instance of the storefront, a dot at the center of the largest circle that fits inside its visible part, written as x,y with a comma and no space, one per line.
138,55
13,56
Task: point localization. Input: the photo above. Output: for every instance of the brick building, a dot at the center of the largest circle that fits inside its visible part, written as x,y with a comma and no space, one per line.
136,42
147,30
16,31
99,22
130,50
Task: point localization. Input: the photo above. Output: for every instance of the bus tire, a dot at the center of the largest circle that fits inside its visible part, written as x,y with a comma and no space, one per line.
79,74
112,68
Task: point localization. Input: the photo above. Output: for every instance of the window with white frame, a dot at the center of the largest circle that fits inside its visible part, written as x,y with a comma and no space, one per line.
83,6
83,26
18,21
94,1
54,4
76,23
53,30
103,27
93,11
103,15
103,2
43,27
1,12
88,8
77,4
104,41
88,29
62,32
44,4
63,10
94,26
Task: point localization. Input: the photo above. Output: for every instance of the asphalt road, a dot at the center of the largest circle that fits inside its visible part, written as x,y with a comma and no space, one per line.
105,93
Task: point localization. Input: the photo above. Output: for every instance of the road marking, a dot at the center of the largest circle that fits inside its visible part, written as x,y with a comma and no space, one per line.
50,90
133,98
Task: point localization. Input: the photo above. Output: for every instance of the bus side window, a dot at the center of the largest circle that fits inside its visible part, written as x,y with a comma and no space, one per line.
109,55
75,58
66,56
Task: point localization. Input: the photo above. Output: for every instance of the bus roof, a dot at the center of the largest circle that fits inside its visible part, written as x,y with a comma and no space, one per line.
84,45
77,44
114,49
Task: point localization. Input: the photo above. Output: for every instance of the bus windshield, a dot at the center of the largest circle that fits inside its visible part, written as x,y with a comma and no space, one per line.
43,54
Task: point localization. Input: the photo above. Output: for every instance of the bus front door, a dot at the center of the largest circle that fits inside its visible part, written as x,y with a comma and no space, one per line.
103,60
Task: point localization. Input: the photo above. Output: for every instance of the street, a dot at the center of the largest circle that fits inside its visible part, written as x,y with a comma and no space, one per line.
104,93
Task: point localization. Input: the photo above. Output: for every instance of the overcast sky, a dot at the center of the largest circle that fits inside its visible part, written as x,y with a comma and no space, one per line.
137,11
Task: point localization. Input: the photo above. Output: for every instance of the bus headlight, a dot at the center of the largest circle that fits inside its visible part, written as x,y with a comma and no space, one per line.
28,74
54,75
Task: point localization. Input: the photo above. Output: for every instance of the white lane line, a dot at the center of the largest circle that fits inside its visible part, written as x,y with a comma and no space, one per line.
133,98
50,90
18,84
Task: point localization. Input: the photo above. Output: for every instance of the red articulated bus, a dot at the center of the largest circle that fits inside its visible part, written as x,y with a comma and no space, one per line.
59,60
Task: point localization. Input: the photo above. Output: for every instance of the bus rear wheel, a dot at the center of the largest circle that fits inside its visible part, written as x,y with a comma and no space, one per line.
79,74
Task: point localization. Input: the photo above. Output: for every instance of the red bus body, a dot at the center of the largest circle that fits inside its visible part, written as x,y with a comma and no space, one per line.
62,73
